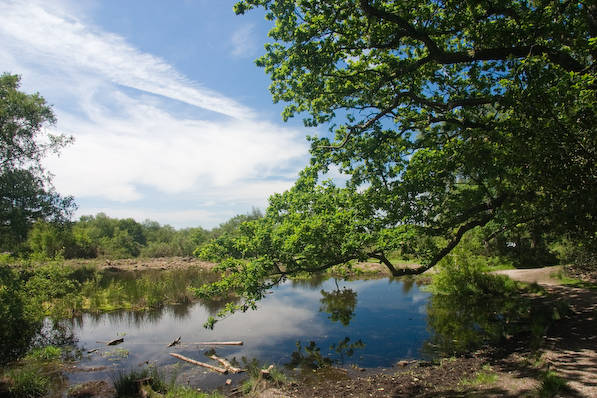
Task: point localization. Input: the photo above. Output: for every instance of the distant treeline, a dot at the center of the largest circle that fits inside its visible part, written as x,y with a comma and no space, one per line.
102,236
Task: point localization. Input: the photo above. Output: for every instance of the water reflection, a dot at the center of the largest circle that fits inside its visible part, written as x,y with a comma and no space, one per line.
339,304
336,316
461,324
307,324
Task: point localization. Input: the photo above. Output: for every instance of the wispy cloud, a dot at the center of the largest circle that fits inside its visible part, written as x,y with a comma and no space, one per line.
66,43
121,105
243,41
146,146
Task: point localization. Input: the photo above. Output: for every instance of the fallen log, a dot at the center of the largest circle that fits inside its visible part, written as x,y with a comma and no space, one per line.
221,343
205,365
115,341
227,364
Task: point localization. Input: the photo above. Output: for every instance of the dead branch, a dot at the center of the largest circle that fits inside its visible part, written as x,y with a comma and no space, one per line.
205,365
221,343
227,364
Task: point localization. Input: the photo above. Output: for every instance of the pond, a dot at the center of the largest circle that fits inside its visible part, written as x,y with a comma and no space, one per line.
301,324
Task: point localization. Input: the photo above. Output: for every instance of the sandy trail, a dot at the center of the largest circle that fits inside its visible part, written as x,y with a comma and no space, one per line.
571,349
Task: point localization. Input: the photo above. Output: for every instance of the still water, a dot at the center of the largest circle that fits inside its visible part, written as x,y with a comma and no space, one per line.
368,323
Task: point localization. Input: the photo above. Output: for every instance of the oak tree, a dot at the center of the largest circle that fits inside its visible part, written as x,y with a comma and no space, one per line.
444,115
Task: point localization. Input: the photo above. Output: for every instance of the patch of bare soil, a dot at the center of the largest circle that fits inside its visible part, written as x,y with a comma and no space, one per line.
454,377
92,389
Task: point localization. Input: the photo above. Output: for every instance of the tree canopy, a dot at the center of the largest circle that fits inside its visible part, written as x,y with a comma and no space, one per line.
26,192
443,115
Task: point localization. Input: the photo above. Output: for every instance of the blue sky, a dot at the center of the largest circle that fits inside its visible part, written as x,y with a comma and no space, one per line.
172,120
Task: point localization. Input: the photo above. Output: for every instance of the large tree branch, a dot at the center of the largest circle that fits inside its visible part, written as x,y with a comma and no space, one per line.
441,254
407,28
558,57
443,57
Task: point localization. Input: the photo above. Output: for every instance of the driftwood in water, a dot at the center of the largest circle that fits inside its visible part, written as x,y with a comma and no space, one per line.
227,364
177,341
115,341
205,365
221,343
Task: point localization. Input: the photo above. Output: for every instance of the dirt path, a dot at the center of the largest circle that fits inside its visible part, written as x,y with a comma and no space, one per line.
571,349
542,276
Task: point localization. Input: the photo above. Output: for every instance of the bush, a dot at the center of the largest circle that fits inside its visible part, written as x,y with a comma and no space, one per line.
21,318
463,274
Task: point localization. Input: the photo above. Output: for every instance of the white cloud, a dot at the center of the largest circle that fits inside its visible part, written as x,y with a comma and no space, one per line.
66,43
146,146
243,41
130,142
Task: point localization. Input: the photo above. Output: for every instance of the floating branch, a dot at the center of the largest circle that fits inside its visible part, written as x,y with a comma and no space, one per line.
115,341
205,365
221,343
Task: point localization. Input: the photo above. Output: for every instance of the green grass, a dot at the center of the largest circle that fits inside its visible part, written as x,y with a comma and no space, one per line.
552,385
573,282
49,353
27,382
128,385
484,377
257,381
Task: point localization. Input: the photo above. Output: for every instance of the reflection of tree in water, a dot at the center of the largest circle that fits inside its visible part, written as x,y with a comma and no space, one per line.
339,303
214,305
312,282
310,356
346,349
460,324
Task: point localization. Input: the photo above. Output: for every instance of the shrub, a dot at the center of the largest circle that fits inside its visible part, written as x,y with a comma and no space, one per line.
462,274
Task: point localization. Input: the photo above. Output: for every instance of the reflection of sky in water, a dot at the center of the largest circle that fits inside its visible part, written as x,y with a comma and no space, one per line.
389,318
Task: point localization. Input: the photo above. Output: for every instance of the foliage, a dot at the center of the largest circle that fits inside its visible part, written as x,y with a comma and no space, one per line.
445,116
26,193
103,236
460,274
21,318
